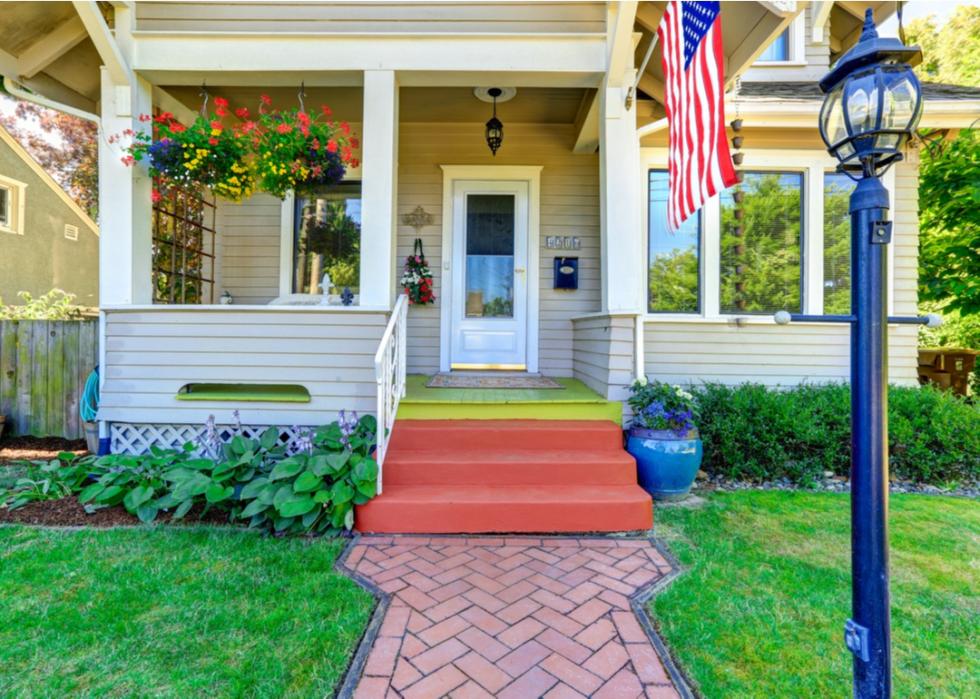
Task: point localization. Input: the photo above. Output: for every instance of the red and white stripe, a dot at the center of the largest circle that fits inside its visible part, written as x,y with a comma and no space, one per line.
699,162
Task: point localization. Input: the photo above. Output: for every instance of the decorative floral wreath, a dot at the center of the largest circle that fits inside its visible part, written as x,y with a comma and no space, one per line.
417,277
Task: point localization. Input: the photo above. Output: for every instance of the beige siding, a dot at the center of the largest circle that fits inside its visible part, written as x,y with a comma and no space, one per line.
248,249
374,17
603,353
817,58
150,354
569,207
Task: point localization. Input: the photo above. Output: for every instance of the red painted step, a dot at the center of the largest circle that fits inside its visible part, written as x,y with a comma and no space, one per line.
427,509
511,434
509,467
444,476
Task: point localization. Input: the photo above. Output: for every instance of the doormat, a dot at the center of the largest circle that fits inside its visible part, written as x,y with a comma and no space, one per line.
481,381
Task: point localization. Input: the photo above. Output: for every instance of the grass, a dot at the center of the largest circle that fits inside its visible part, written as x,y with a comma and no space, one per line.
760,608
173,613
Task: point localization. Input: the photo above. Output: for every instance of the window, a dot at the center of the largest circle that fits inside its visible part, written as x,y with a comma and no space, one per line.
327,240
12,206
673,258
837,190
761,244
71,232
778,50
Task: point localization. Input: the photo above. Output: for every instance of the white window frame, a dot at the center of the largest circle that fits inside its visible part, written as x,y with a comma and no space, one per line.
16,205
797,45
813,164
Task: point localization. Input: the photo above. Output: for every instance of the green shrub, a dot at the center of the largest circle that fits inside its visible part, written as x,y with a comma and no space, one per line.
46,480
755,433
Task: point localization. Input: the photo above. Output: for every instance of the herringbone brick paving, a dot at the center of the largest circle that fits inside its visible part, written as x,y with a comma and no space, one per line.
510,617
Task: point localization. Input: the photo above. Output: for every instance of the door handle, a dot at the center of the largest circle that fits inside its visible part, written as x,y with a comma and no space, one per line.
519,270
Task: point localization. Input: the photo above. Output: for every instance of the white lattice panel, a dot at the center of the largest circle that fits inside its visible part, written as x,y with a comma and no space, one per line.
130,438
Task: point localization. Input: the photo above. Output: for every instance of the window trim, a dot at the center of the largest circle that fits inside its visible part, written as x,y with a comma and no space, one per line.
700,251
796,49
16,204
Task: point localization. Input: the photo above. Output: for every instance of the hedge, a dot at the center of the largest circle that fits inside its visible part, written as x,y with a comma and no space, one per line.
751,432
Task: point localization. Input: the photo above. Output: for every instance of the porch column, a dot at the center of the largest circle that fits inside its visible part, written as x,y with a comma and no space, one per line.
621,203
379,187
125,208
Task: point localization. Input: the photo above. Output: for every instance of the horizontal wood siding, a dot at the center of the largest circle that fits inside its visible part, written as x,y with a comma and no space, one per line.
372,17
603,354
248,249
569,207
151,354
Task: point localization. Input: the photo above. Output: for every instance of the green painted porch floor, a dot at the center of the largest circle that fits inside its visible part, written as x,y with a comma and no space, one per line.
575,401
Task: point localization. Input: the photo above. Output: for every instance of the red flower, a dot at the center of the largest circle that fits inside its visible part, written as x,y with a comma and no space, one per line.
284,128
213,141
128,160
265,99
221,111
145,117
326,110
155,196
316,144
164,118
354,143
248,126
177,127
217,125
345,127
303,118
242,112
221,102
331,146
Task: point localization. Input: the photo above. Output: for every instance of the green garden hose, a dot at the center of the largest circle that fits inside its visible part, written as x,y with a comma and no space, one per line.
89,405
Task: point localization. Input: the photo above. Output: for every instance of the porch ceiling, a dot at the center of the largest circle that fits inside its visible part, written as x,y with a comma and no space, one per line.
536,105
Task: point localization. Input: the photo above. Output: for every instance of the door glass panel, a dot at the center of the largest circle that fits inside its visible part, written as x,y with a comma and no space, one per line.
490,256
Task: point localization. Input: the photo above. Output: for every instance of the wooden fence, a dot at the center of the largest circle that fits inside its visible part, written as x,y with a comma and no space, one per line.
43,368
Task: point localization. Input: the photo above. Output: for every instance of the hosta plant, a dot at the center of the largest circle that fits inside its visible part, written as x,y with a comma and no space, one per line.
46,480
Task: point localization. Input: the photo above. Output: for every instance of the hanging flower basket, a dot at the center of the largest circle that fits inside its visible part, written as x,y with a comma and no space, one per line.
298,152
206,154
417,278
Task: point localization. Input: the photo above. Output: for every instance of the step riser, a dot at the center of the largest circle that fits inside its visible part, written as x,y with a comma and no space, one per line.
511,411
420,472
449,518
453,436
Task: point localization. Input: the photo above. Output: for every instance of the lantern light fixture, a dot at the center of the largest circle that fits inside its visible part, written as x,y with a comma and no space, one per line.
873,103
495,128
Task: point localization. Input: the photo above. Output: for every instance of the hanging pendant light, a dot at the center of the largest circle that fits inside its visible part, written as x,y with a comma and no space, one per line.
495,129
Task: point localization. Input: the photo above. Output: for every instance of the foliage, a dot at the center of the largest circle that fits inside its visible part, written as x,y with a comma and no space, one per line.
333,234
949,246
660,406
957,332
766,583
756,433
298,152
54,305
316,489
673,281
203,154
760,269
46,480
65,146
837,243
174,612
951,53
312,491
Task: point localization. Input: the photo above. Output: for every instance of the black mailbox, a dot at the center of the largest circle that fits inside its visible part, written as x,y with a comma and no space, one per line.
566,272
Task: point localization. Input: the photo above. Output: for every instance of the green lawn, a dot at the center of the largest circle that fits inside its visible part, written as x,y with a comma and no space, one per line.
168,612
759,610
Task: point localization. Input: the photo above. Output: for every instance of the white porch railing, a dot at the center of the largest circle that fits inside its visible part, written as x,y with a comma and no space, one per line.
389,370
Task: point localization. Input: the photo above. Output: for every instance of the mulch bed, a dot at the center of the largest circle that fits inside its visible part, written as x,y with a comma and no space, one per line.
68,512
37,448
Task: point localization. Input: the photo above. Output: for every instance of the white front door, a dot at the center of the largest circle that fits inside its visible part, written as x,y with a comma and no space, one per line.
489,305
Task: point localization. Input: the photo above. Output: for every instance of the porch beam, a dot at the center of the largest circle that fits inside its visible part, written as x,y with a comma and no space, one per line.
379,187
820,17
560,54
620,44
50,48
125,213
623,259
587,124
105,43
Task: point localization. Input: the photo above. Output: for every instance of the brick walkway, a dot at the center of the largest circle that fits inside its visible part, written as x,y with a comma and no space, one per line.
509,617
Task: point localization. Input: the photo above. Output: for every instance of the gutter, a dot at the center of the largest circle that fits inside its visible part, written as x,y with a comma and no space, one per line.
18,91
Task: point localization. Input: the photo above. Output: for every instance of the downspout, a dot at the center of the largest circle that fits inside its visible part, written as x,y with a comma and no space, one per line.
18,91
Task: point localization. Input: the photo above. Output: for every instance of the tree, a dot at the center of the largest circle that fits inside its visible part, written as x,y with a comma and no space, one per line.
951,53
949,218
64,145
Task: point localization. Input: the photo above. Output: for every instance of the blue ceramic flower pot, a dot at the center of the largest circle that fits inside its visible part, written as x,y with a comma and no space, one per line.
666,462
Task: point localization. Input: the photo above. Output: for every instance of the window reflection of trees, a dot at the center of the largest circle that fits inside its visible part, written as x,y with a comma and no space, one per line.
328,239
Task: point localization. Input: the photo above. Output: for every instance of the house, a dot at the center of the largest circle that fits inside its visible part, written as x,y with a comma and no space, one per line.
577,184
47,241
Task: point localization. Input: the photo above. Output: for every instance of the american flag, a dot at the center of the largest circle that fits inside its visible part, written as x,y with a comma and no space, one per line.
699,162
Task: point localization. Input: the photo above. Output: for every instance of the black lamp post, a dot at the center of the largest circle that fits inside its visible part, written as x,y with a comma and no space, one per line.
872,105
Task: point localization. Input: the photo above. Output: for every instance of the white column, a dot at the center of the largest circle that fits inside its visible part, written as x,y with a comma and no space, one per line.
125,208
379,187
621,201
